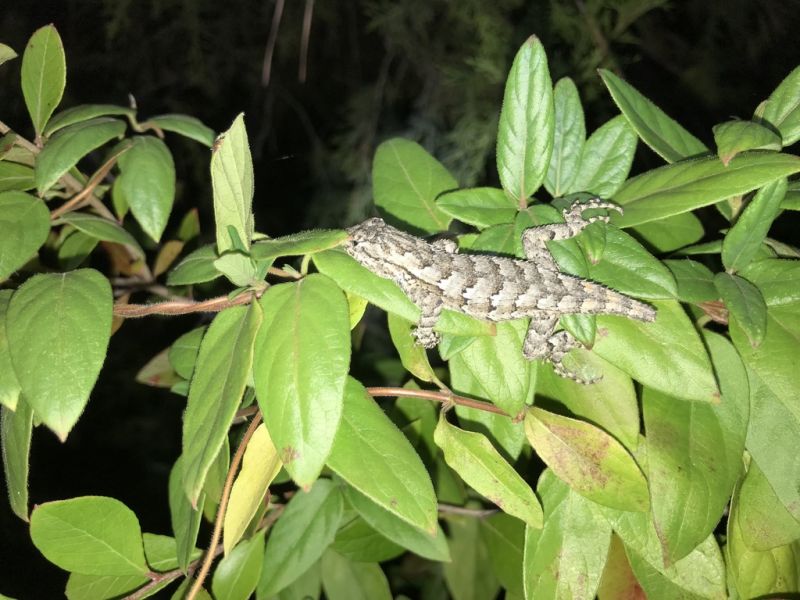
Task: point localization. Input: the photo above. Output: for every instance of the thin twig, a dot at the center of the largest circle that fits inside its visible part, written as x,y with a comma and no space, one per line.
78,199
211,553
266,69
308,13
443,397
480,513
181,307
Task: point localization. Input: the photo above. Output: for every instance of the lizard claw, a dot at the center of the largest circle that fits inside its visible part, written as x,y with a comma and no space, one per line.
574,214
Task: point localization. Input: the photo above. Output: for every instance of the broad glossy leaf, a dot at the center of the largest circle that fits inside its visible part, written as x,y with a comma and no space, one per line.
424,543
85,112
146,183
741,243
694,454
25,223
504,537
196,267
187,126
9,385
360,542
479,464
220,376
184,518
44,75
467,575
298,244
6,53
232,182
183,352
589,460
690,184
94,535
305,529
606,159
745,304
569,135
14,176
58,326
565,559
666,355
412,355
481,207
302,355
663,134
695,280
372,455
763,521
671,233
102,229
71,144
343,579
259,467
525,132
781,109
406,181
237,574
15,438
733,137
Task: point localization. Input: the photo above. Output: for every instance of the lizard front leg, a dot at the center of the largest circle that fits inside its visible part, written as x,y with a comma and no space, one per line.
541,343
431,308
534,239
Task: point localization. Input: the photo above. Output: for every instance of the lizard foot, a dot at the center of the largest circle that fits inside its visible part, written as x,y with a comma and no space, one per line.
426,337
574,214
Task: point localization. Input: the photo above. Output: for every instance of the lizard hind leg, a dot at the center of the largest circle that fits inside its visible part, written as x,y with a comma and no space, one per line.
541,343
424,334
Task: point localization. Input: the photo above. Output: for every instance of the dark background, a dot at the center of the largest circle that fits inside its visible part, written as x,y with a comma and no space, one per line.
430,70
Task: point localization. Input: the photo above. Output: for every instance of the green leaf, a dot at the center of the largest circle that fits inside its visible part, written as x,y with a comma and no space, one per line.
666,355
694,454
44,75
565,559
239,268
305,529
94,535
223,366
466,575
16,427
75,249
85,112
343,579
58,327
158,372
605,159
298,244
260,465
671,233
743,240
733,137
9,384
527,123
14,176
745,304
232,182
302,355
372,455
664,135
695,280
184,125
413,356
102,229
763,521
196,267
237,574
25,223
504,537
690,184
589,460
481,207
782,110
184,350
184,518
479,464
618,580
6,53
405,182
71,144
146,183
569,135
358,541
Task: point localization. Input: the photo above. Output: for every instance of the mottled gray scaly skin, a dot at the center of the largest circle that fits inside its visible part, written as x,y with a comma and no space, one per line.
494,288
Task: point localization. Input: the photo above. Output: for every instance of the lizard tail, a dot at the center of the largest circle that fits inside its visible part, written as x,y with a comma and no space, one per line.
596,299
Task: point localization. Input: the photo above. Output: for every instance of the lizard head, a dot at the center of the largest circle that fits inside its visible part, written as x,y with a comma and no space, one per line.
366,231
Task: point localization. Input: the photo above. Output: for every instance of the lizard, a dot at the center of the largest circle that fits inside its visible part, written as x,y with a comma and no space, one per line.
495,288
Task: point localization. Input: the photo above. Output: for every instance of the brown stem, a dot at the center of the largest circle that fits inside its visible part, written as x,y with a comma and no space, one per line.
480,513
443,397
304,41
212,551
180,307
78,199
266,68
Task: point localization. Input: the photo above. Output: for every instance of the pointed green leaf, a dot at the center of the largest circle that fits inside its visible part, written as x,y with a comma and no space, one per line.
690,184
305,529
565,559
504,537
187,126
25,223
237,574
85,112
196,267
102,229
480,207
15,437
9,384
412,355
525,132
733,137
569,136
185,519
298,244
302,355
589,460
763,520
746,305
480,465
6,53
343,579
405,182
223,366
605,159
232,181
359,542
58,327
664,135
44,75
782,110
75,249
467,575
183,352
93,535
14,176
260,465
671,233
695,280
71,144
